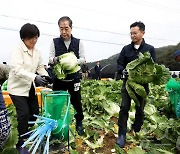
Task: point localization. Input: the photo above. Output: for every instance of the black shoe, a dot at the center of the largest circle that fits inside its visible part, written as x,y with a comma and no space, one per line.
121,139
79,128
19,148
19,144
24,151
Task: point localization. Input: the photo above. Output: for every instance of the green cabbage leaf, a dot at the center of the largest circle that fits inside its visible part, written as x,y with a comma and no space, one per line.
142,71
67,64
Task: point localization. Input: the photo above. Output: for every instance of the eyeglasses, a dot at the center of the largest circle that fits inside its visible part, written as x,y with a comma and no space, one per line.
134,33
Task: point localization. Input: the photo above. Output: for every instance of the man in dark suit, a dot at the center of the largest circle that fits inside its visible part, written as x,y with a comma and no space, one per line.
97,70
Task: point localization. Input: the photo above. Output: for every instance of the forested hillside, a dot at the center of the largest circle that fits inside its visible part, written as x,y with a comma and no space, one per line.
164,55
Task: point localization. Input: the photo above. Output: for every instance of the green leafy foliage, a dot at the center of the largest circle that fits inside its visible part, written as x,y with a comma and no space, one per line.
138,88
160,130
144,71
136,150
101,96
162,75
10,151
118,149
159,134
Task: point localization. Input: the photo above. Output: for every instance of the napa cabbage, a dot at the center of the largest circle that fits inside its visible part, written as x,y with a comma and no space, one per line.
143,70
67,64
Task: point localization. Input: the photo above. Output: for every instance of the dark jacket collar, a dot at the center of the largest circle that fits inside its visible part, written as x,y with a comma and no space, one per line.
142,43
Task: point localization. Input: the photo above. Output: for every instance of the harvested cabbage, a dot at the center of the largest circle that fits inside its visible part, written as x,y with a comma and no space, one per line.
67,64
143,70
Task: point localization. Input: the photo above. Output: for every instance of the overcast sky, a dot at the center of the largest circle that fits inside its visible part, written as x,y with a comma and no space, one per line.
103,25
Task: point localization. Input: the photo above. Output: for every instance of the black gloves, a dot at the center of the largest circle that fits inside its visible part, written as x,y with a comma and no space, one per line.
125,73
49,79
40,81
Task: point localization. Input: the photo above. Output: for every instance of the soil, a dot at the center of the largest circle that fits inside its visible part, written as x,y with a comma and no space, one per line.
109,142
108,148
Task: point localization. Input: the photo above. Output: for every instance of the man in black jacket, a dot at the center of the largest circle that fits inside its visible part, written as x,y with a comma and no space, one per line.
85,70
129,53
59,46
97,70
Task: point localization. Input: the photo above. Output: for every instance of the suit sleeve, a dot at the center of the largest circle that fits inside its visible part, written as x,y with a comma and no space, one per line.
121,61
153,55
81,59
41,70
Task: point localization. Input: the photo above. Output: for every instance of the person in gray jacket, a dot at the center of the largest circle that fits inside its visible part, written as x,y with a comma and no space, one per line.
26,63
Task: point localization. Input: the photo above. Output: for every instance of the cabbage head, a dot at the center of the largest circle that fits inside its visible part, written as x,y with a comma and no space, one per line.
143,70
68,61
67,64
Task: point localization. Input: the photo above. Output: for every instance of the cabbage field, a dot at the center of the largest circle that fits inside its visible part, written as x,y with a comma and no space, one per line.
160,133
101,99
